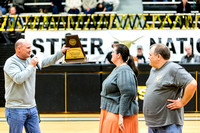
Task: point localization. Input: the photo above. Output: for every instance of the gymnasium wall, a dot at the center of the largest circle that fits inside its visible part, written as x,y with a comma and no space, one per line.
72,88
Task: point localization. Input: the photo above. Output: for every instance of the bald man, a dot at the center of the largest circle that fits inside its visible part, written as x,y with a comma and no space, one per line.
164,99
20,73
189,57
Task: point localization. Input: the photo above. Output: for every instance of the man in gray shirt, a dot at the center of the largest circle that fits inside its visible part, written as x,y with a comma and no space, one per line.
20,73
163,100
189,57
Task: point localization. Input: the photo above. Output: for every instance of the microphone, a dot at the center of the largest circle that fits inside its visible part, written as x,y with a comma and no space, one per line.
38,66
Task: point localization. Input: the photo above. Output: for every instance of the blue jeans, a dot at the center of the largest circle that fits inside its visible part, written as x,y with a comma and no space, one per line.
166,129
91,11
19,117
73,11
55,9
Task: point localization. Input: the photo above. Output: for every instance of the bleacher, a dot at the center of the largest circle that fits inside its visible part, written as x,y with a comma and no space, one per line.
165,7
149,6
31,7
35,6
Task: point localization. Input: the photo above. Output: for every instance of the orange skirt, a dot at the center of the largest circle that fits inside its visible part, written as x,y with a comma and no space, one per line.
109,123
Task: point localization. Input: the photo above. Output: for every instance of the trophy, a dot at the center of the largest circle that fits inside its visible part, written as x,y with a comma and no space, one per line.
75,54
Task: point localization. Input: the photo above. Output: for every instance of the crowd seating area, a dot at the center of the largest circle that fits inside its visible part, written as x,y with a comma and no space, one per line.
162,6
111,21
38,6
149,6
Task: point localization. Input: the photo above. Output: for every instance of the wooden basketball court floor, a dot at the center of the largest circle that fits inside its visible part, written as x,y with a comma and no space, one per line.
89,123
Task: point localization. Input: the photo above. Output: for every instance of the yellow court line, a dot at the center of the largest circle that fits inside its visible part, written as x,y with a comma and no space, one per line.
196,93
65,92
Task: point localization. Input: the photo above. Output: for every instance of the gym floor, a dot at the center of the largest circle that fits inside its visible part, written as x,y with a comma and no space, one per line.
89,123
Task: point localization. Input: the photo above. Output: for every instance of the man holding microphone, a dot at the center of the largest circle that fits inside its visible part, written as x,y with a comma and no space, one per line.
20,75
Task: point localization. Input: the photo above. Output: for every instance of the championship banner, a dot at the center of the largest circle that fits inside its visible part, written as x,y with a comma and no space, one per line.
96,44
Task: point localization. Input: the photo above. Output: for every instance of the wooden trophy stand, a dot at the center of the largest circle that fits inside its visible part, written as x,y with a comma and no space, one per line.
75,54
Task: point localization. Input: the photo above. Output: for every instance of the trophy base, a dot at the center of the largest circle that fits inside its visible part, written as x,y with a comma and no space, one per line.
75,61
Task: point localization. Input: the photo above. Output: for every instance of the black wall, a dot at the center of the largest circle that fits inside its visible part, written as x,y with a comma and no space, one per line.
77,87
83,92
50,92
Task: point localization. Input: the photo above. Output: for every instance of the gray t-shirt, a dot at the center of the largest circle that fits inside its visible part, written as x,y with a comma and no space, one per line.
165,83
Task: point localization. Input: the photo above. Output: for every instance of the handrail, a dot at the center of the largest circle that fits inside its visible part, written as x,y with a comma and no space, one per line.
102,22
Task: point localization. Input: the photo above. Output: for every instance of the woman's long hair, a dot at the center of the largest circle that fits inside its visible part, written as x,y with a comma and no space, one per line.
124,51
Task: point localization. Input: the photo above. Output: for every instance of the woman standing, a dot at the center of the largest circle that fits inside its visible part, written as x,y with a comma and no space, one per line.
119,107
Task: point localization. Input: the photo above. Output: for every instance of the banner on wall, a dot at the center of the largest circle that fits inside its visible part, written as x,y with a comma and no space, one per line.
97,44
